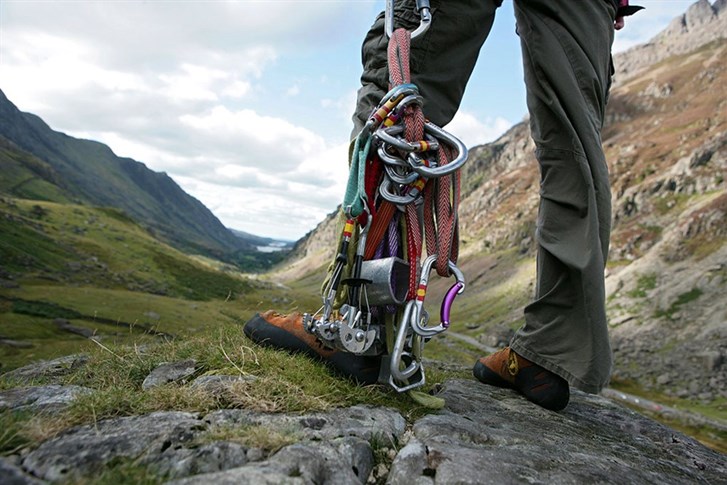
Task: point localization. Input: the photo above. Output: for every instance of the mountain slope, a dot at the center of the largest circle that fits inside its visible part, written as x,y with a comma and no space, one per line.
89,172
71,272
26,176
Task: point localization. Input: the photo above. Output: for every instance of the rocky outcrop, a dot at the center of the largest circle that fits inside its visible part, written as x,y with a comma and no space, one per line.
40,398
169,372
48,370
321,447
483,435
488,435
702,23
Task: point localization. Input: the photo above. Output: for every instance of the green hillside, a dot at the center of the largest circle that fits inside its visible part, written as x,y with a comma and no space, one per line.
39,163
99,270
27,177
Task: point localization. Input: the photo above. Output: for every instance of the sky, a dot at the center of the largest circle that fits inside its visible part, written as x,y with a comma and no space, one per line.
245,104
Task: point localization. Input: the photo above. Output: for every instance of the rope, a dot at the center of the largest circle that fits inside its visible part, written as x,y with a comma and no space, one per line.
441,195
440,218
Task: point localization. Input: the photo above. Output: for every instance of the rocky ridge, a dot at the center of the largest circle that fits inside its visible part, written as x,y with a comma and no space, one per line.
483,435
703,22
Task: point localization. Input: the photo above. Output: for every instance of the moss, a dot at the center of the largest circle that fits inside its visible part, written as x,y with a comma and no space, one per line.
253,436
682,299
123,472
645,283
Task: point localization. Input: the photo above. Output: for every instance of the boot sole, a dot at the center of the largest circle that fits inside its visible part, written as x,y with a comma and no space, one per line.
362,369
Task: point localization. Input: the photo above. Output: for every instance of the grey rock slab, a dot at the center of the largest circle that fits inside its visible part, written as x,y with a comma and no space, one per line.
491,435
48,369
11,474
46,398
346,460
366,422
177,462
169,372
412,465
333,446
84,450
219,384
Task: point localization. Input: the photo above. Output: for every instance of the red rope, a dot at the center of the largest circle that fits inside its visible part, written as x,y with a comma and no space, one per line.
441,196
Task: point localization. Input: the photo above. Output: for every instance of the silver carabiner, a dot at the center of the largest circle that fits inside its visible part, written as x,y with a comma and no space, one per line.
388,103
415,343
441,170
425,18
400,176
385,189
407,101
418,318
390,159
388,135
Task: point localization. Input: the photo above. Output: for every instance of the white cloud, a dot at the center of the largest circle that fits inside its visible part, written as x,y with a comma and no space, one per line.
266,213
472,131
246,104
192,83
37,65
265,142
237,89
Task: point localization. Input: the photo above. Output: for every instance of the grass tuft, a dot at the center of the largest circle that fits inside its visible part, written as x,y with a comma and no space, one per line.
253,436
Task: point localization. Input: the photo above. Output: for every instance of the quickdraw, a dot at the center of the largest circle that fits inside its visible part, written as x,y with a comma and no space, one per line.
403,189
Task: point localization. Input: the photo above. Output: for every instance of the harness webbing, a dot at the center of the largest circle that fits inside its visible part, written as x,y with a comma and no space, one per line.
354,200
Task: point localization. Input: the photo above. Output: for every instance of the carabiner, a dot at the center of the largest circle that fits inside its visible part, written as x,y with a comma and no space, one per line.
418,318
390,159
400,176
441,170
388,136
425,18
388,103
398,110
405,360
386,192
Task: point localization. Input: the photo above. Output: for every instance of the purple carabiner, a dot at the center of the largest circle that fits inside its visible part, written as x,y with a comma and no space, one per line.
447,303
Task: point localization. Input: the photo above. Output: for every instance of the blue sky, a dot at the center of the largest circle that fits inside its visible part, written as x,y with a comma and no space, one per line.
246,104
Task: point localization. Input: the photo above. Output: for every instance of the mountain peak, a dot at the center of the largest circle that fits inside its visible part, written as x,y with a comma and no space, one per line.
702,23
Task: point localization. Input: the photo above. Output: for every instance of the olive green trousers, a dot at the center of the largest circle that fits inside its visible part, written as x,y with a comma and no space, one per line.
566,51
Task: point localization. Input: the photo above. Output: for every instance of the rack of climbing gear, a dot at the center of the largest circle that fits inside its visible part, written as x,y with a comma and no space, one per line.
402,195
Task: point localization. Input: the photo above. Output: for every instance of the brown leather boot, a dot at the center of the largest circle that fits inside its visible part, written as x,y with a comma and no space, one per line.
507,369
286,332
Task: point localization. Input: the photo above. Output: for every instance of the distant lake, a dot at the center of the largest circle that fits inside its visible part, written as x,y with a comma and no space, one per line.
274,247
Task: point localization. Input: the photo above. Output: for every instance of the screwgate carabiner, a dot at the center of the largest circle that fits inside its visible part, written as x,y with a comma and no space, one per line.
425,18
387,104
387,136
416,163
